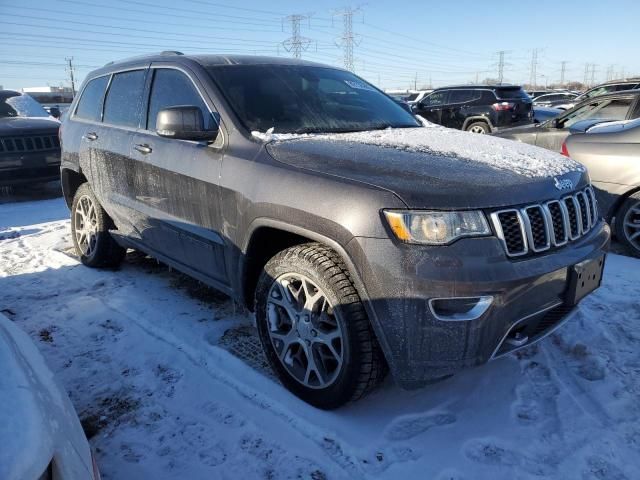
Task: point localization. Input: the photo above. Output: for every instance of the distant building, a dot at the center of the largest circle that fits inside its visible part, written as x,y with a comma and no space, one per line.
48,95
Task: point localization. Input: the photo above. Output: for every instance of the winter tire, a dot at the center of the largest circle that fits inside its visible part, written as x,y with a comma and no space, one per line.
314,329
90,226
627,224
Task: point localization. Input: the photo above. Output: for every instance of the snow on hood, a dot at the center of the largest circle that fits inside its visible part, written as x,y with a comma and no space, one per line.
500,154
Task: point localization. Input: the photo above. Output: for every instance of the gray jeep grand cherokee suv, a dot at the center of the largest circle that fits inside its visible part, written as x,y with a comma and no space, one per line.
361,238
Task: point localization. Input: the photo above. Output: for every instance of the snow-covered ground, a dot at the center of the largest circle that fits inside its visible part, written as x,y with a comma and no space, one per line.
168,381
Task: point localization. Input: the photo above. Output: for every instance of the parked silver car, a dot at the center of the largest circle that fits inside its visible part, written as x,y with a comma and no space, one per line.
40,434
611,152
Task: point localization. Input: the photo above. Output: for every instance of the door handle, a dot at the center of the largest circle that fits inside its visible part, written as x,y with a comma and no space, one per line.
91,136
143,148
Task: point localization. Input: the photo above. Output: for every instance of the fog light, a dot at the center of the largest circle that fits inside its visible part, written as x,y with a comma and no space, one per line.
459,308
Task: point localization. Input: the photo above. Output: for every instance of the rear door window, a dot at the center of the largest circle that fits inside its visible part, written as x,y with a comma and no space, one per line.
171,88
123,104
90,104
464,96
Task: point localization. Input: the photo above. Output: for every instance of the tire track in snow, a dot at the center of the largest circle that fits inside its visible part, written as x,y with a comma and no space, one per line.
324,440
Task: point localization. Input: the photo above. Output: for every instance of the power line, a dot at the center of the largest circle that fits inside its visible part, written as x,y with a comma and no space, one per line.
348,39
296,43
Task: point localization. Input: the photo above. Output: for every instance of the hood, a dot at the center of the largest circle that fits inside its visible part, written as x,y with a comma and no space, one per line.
36,416
432,166
10,126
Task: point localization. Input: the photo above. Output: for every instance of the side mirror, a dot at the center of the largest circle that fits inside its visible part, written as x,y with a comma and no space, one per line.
184,123
55,112
556,123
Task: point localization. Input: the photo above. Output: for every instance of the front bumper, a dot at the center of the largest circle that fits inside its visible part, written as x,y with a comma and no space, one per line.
29,167
401,279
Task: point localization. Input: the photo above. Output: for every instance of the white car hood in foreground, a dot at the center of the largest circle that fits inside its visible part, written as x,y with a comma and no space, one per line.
37,419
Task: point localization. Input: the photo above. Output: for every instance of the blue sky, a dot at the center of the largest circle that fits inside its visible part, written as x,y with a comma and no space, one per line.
399,43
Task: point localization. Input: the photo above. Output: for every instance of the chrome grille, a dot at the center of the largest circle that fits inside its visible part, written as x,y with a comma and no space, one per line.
539,227
29,144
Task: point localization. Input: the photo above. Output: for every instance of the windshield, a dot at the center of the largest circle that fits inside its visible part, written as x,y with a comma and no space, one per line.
597,110
21,106
306,99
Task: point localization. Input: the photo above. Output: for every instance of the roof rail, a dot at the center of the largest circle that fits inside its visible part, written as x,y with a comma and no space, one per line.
138,57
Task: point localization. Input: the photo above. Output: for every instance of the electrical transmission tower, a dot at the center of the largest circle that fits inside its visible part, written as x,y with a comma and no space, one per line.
563,69
587,66
296,43
71,77
501,65
348,39
533,78
593,74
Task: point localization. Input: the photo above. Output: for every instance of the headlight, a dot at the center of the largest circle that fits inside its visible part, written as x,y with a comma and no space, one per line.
436,228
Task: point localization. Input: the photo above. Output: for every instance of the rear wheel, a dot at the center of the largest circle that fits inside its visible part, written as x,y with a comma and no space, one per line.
478,127
313,327
90,226
628,224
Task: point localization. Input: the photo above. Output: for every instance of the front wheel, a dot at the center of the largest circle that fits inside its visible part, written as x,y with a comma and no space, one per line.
628,224
478,127
90,226
313,327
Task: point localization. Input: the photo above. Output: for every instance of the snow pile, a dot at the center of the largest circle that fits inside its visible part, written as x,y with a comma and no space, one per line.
140,350
498,153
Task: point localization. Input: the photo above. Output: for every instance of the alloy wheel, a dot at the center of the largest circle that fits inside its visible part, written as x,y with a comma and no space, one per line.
477,129
305,331
86,225
631,225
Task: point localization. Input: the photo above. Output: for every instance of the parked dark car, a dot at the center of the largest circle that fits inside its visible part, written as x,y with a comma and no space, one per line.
29,146
542,114
477,109
611,151
552,133
361,239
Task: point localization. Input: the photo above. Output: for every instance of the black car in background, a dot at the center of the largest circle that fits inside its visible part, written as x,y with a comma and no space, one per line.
477,109
29,145
552,133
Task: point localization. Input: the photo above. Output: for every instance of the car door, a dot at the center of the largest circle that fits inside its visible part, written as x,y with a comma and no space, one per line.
111,156
177,180
432,105
87,119
456,110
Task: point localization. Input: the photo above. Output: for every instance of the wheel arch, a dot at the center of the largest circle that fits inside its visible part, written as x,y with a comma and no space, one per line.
477,118
71,181
250,268
613,210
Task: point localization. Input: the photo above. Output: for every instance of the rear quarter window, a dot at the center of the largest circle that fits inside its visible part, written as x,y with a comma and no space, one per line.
90,104
123,105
